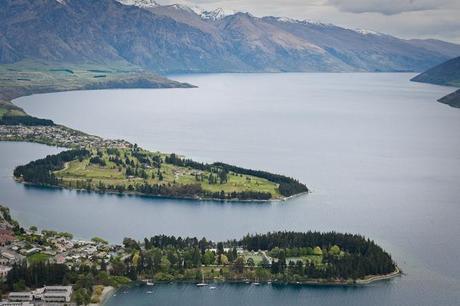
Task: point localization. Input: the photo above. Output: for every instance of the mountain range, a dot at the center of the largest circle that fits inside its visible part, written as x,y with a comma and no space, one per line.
175,38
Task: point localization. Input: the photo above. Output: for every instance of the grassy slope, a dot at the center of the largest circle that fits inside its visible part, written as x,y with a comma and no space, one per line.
29,77
110,174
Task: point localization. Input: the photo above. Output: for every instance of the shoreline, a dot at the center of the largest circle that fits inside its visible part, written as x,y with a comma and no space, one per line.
107,292
139,194
378,278
314,283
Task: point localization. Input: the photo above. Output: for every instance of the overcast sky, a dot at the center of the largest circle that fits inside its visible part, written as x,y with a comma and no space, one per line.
403,18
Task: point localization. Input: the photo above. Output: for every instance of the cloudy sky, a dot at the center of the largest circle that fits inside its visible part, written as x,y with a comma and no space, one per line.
403,18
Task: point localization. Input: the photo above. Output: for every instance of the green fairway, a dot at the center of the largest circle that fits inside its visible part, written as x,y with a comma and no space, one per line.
129,168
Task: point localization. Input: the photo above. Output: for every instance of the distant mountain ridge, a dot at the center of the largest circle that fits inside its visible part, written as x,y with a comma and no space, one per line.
175,38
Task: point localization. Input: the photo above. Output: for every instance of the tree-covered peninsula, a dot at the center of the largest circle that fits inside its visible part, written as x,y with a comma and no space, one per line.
132,169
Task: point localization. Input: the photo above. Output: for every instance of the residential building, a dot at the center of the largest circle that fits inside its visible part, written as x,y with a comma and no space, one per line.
20,297
57,294
4,271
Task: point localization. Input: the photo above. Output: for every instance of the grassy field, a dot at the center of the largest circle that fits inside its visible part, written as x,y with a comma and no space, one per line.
153,169
315,259
257,257
29,77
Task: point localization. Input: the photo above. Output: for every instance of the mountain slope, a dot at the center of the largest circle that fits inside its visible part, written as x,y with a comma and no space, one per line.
363,50
452,99
175,38
447,73
104,31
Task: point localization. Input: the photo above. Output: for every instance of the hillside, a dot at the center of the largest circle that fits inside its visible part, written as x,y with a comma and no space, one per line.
452,99
175,38
30,77
447,73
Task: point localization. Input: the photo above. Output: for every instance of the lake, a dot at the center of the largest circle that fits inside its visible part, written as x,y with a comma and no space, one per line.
381,157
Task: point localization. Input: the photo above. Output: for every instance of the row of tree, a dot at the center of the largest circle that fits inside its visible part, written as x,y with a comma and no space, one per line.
24,120
41,170
287,185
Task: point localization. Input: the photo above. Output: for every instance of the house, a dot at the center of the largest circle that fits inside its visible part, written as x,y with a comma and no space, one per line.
4,271
20,297
7,258
57,294
6,236
32,251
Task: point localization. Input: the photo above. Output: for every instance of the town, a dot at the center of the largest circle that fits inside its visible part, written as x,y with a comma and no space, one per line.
57,135
30,247
48,267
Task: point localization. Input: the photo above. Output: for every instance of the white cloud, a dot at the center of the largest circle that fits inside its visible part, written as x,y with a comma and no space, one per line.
388,7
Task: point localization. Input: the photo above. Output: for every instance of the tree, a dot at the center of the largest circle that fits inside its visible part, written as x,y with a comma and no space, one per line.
250,262
317,251
99,240
224,260
20,285
238,265
66,235
263,274
208,258
334,250
165,264
220,248
196,257
130,244
264,263
82,296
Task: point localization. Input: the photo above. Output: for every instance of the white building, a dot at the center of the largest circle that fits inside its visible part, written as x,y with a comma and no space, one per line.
7,258
57,294
20,297
4,271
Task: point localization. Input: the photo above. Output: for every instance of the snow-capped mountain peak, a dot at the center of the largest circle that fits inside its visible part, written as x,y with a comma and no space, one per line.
216,14
139,3
301,21
366,32
287,19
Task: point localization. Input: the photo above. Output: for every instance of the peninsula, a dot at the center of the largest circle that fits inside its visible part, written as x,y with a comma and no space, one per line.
36,261
105,165
131,169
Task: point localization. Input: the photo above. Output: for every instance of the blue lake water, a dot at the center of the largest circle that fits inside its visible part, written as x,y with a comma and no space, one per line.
381,156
